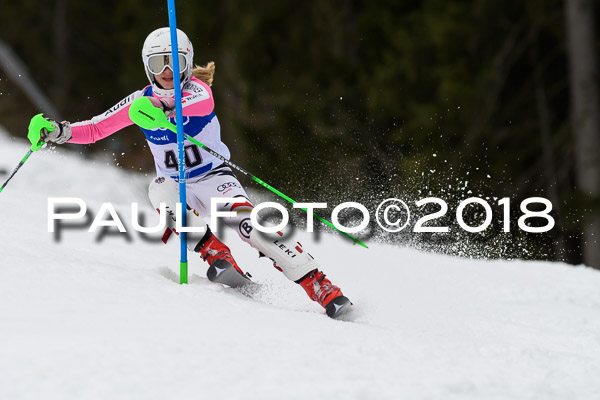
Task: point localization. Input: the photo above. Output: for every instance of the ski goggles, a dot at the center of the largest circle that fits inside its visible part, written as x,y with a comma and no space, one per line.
158,62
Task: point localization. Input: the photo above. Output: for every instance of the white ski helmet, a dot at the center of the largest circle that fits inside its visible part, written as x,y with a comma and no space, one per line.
156,54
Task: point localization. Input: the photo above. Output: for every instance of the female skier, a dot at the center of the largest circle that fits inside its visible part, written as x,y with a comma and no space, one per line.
206,176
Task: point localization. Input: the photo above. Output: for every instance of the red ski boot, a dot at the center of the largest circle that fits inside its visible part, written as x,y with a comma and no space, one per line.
223,268
321,290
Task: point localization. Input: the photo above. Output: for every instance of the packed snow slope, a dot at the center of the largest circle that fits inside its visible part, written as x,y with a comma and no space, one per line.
85,317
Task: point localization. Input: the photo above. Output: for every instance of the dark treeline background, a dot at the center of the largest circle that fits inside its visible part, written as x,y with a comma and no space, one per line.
354,100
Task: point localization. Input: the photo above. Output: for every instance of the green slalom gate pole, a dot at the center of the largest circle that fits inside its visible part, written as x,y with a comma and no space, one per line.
183,265
143,113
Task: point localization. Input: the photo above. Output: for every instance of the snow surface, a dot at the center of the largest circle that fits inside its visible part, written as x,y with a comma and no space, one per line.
81,319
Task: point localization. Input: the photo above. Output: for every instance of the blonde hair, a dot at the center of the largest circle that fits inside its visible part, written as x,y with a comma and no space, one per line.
206,73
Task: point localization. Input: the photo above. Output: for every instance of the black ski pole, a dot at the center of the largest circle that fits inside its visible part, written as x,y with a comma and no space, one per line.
16,169
36,126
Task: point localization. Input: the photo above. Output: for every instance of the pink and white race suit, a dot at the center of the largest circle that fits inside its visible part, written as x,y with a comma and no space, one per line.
206,176
199,122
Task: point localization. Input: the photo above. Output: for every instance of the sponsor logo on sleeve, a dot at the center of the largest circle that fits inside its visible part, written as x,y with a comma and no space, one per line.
119,105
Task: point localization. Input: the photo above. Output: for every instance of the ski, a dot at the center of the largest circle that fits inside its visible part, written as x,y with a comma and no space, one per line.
222,271
339,307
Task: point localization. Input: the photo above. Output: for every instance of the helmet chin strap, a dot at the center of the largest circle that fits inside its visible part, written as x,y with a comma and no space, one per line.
159,91
155,82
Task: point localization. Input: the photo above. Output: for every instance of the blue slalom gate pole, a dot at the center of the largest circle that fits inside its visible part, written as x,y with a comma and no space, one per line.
183,270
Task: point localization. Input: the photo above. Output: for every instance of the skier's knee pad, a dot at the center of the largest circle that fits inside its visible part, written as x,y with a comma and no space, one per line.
163,190
240,222
166,190
288,256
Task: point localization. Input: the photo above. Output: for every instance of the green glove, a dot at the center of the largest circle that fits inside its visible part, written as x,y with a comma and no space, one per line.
38,129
